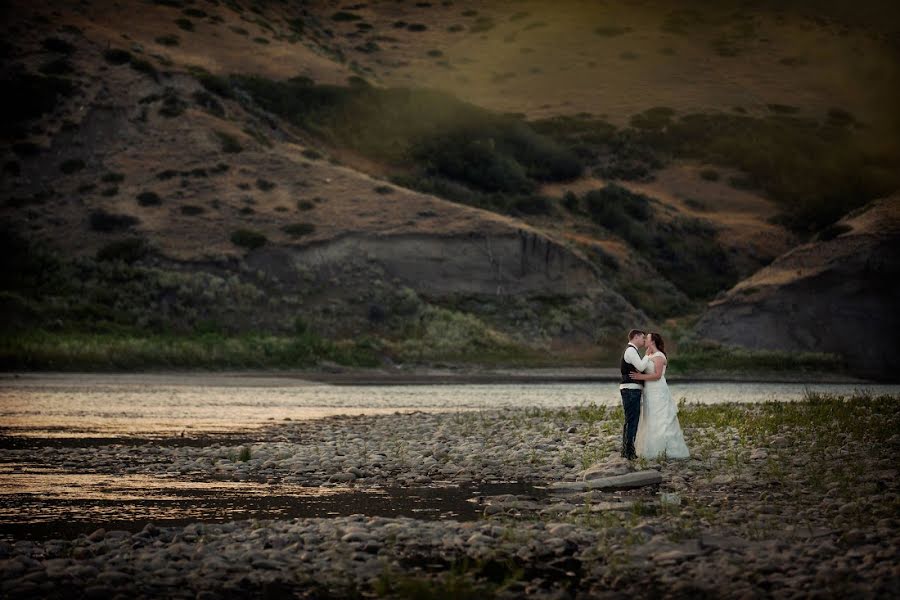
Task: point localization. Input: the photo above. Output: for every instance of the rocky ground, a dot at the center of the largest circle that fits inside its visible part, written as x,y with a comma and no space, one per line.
780,500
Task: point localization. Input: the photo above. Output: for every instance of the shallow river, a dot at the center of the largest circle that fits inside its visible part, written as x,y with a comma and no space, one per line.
41,499
167,405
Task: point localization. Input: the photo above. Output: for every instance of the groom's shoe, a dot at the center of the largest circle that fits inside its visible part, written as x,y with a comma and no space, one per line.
629,453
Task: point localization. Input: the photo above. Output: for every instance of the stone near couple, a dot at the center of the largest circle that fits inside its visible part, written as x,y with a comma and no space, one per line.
651,425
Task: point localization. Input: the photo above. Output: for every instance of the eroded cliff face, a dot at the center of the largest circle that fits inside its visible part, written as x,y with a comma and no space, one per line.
839,295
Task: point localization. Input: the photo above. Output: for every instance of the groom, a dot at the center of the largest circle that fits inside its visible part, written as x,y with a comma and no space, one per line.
631,390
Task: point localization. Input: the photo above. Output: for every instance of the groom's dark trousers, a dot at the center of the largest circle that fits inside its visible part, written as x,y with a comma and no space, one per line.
631,402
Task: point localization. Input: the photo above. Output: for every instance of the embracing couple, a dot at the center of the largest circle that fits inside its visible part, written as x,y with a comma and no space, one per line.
651,424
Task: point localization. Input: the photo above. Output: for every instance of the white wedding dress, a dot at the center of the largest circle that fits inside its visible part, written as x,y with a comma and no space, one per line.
658,429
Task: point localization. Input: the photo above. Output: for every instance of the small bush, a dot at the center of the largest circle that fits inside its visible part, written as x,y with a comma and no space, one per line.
247,238
344,16
58,66
305,205
149,199
117,56
185,24
102,221
261,40
191,210
229,143
296,230
172,104
110,191
113,178
416,27
128,250
57,45
208,102
194,12
265,185
709,175
311,154
384,189
144,66
168,40
71,166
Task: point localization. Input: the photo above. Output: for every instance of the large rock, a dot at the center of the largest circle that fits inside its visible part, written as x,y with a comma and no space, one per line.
824,296
616,482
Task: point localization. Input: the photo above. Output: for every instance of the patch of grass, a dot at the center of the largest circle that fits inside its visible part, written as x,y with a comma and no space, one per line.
694,357
41,350
247,238
296,230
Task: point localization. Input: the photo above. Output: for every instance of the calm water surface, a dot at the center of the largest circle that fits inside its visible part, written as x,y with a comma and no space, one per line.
146,405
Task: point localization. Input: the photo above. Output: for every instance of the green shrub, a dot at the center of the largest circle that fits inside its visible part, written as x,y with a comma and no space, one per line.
305,205
343,16
52,44
168,40
58,66
208,102
113,178
117,56
144,66
247,238
191,210
106,222
149,199
296,230
265,185
229,143
172,104
384,189
709,175
185,24
71,165
311,154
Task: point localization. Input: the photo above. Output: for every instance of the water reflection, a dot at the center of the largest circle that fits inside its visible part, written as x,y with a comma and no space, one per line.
165,406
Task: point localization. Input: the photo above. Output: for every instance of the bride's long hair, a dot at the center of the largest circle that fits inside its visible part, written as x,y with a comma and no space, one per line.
658,342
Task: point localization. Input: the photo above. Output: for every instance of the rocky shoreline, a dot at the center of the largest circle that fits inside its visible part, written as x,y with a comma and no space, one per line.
778,500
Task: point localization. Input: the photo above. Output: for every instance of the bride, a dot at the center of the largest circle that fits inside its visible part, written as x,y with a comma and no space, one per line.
658,431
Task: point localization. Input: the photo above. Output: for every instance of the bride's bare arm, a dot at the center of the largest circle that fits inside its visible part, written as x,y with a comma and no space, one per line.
659,362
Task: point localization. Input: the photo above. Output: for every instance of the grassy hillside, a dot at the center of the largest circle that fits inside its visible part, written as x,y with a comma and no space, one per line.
160,173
